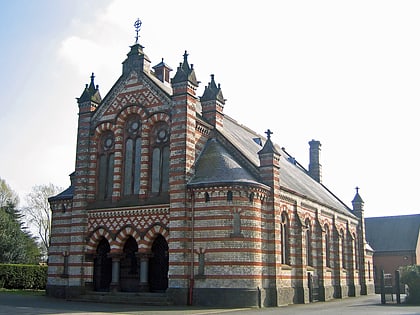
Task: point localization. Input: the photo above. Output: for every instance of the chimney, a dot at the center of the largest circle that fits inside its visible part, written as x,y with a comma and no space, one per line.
314,165
162,71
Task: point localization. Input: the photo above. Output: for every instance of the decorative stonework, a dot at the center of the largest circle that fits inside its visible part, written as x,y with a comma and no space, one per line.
116,219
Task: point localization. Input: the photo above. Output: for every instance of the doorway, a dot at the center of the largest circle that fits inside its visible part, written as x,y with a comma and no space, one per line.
159,265
102,267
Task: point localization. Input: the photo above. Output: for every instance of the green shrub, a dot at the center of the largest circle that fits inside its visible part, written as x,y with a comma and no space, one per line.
410,275
23,276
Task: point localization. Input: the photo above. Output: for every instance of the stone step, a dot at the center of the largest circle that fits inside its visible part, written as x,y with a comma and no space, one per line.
136,298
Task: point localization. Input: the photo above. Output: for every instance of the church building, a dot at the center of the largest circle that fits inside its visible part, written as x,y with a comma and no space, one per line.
169,195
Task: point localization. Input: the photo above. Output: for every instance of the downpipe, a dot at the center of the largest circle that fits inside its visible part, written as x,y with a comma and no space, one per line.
191,283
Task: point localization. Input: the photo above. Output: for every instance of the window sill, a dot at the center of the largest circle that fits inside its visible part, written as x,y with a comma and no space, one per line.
286,267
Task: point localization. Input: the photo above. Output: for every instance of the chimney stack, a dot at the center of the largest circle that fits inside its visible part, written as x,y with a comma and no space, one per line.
314,165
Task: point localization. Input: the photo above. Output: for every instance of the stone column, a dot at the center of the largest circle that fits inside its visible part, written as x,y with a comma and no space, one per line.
115,280
144,272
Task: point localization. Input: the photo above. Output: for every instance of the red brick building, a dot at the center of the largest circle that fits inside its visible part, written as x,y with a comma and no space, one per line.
171,195
395,241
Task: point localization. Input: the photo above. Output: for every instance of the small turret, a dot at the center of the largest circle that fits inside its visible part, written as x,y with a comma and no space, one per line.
136,58
358,205
270,163
185,73
90,98
212,103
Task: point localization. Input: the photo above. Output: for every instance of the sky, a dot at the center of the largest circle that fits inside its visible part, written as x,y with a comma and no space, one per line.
346,73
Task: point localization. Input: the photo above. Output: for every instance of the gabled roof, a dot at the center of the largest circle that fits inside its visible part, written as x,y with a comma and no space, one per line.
393,233
293,176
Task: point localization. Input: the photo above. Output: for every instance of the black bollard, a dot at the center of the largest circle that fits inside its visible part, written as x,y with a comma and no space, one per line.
383,301
397,286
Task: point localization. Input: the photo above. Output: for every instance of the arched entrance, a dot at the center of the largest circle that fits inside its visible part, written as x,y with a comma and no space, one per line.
102,267
159,265
129,270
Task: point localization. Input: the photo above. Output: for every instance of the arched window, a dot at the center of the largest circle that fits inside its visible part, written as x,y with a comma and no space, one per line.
356,252
229,196
160,158
327,246
308,242
343,249
207,197
251,197
132,156
285,249
106,166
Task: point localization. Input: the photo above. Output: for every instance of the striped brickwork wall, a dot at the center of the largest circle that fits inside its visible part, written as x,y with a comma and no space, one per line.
182,147
78,219
60,241
234,258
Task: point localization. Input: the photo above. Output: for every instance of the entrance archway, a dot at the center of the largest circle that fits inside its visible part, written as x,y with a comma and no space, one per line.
129,270
102,267
159,265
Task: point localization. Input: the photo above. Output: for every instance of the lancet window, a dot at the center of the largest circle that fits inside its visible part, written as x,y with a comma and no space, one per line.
285,248
308,242
160,159
132,158
106,166
327,246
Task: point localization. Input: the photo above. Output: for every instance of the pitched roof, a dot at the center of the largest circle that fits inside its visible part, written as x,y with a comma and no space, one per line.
216,166
393,233
293,176
66,194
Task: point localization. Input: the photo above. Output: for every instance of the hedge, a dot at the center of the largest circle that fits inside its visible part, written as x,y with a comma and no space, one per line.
23,276
410,275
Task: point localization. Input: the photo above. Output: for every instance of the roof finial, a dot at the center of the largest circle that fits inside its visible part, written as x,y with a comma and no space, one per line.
137,26
357,189
268,133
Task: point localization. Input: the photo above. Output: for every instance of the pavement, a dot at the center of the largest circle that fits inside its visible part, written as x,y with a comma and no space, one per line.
15,304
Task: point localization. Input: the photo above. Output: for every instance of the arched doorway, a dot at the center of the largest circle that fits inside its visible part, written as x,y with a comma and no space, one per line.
129,270
159,265
102,267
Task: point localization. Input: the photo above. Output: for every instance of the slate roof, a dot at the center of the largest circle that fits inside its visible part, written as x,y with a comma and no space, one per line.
217,166
393,233
66,194
293,176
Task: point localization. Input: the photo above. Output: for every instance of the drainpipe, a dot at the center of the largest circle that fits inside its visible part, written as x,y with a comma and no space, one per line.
191,287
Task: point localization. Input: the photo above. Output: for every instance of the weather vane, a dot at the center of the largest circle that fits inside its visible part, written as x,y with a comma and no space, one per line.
137,26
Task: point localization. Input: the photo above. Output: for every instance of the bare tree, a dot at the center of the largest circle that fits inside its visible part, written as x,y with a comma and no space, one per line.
7,195
38,211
